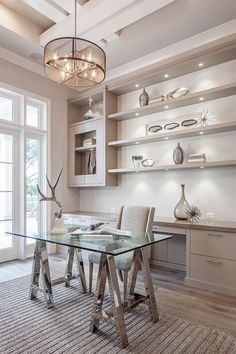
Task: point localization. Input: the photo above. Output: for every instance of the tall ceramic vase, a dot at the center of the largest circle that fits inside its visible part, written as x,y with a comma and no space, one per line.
178,155
143,98
180,209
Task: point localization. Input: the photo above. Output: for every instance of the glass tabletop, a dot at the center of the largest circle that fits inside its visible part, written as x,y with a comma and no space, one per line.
110,244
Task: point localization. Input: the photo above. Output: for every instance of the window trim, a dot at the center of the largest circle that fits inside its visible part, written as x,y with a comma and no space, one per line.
22,130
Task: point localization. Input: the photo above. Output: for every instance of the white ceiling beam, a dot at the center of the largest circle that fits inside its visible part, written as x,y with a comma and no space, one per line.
46,9
125,18
67,5
88,16
192,45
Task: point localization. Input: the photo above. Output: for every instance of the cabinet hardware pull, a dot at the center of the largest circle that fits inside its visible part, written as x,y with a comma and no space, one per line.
215,262
216,235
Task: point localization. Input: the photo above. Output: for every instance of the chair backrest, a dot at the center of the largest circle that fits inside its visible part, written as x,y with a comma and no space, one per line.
136,218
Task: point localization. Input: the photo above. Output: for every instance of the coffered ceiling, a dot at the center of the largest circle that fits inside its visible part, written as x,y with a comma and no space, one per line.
126,29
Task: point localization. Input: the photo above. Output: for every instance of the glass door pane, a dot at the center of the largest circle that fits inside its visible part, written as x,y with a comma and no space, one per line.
6,196
32,179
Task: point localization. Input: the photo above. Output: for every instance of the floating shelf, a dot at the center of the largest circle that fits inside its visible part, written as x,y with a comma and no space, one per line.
184,133
85,148
82,122
194,98
184,166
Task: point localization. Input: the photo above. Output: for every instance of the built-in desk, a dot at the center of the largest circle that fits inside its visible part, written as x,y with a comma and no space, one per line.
206,250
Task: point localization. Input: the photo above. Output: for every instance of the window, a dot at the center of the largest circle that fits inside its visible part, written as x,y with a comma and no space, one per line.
6,108
23,165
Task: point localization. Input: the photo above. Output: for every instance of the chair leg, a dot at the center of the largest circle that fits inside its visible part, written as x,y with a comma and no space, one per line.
90,276
125,283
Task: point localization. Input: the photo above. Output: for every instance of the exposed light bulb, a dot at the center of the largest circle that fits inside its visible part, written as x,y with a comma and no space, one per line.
94,73
55,56
63,74
89,57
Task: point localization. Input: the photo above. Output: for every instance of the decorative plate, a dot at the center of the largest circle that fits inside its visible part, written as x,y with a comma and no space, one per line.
148,163
180,91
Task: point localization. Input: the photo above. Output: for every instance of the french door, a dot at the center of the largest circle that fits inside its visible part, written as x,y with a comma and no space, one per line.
8,194
23,165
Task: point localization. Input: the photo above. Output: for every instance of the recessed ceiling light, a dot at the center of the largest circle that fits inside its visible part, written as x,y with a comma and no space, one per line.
166,107
201,133
166,76
201,166
137,114
200,64
166,169
137,142
201,98
137,85
166,138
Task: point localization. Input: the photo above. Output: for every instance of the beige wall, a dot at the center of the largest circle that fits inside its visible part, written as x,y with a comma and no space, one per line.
18,77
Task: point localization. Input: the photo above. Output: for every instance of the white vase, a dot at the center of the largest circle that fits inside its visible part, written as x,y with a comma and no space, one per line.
180,209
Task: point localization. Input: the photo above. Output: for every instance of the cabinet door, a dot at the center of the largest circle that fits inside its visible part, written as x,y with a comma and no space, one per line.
86,163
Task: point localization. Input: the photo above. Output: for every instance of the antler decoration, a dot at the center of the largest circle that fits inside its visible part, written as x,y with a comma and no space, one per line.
53,196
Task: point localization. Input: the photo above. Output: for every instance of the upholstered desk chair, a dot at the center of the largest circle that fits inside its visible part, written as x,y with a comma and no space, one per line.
132,218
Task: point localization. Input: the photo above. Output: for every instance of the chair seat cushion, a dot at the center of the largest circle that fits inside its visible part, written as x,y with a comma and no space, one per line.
123,262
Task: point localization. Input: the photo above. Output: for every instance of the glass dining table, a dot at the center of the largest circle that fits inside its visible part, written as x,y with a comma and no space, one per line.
109,247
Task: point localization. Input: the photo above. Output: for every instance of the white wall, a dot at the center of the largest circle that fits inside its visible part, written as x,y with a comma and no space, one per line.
18,77
212,190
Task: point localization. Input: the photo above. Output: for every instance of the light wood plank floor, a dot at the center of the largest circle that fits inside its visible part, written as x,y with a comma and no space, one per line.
173,296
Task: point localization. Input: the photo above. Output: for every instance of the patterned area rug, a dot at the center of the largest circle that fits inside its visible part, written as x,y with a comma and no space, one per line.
29,327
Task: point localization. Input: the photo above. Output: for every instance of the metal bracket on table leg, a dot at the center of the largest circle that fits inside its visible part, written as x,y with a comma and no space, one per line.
41,265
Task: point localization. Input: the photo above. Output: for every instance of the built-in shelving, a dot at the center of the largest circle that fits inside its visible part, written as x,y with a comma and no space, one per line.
191,98
85,148
184,166
204,130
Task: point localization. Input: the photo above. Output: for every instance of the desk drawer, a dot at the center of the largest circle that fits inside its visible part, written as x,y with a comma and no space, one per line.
214,244
213,270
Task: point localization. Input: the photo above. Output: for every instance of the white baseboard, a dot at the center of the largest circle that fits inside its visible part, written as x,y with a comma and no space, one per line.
210,286
168,265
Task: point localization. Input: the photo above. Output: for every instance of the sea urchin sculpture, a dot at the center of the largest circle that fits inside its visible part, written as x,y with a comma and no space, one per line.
193,213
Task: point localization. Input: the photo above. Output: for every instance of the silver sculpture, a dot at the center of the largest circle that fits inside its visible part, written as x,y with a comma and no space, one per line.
53,196
89,114
193,213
